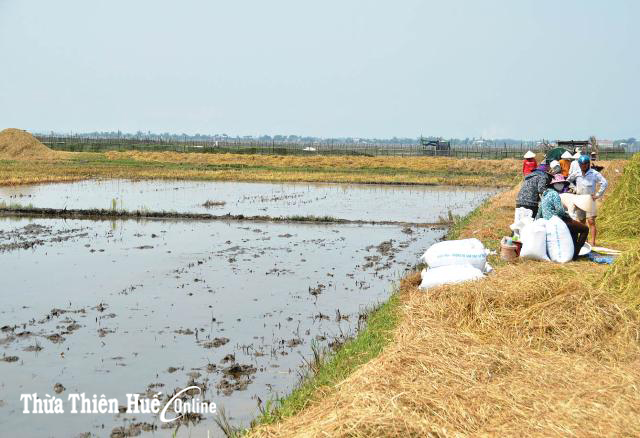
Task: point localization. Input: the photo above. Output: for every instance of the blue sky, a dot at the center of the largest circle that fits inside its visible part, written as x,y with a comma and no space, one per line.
497,68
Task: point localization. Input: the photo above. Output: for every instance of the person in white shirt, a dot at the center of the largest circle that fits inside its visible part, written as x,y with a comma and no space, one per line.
574,169
586,182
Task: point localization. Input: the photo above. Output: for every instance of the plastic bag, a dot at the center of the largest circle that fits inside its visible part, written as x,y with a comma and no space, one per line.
534,241
559,242
456,252
451,274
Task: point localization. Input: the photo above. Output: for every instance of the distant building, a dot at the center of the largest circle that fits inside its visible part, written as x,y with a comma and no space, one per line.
605,144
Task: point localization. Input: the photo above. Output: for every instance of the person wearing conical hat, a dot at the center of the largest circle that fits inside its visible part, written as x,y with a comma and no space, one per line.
529,164
565,163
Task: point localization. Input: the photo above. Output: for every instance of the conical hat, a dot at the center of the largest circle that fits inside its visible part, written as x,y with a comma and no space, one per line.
529,154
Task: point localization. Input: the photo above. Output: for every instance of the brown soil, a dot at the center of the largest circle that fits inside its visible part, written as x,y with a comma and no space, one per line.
16,144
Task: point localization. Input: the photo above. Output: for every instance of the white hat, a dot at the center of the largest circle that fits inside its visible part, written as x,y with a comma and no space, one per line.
566,156
576,155
554,167
529,154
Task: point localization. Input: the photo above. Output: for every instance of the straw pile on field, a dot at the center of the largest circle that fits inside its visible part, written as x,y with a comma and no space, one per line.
536,349
16,144
620,215
619,220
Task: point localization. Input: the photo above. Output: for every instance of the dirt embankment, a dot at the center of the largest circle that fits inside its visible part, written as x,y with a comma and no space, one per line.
16,144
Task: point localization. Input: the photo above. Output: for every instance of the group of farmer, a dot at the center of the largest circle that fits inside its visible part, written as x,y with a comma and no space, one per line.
567,188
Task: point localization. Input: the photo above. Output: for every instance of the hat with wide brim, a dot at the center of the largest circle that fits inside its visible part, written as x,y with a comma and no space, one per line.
529,154
567,155
558,179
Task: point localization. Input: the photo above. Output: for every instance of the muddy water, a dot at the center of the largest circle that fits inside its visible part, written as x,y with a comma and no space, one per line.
102,307
346,201
130,298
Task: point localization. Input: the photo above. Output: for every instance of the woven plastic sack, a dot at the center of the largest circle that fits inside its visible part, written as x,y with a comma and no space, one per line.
559,242
534,241
451,274
456,252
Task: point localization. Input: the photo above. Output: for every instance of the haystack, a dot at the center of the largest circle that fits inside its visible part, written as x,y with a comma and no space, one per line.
16,144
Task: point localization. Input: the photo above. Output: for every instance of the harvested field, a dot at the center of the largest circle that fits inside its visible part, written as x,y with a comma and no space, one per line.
448,164
73,166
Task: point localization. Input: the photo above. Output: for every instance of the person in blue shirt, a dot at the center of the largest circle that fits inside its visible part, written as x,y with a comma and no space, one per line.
551,205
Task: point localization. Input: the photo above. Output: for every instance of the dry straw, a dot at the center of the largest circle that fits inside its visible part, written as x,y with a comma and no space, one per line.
620,222
623,277
619,217
16,144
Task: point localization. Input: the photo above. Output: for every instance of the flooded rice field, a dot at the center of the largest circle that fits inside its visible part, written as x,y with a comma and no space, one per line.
233,308
422,204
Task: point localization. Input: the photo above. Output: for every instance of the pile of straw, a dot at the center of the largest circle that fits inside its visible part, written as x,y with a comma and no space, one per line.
16,144
619,217
623,278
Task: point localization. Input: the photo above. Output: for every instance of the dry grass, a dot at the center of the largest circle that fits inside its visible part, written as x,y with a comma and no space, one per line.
623,277
454,165
16,144
536,349
619,217
620,223
267,168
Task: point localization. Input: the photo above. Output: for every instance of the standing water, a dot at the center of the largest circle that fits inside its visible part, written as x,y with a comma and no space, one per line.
151,307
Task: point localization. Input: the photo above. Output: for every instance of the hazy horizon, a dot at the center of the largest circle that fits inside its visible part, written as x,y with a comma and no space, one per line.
362,69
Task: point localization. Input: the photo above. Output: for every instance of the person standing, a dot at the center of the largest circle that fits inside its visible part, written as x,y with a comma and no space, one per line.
565,163
574,168
586,182
529,164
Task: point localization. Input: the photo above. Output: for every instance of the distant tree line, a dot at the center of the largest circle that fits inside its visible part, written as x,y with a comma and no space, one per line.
628,143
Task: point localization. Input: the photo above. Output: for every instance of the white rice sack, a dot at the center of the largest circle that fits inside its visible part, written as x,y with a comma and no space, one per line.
534,241
451,274
559,242
521,217
456,252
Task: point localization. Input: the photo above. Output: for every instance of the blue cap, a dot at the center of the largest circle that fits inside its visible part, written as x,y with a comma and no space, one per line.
584,159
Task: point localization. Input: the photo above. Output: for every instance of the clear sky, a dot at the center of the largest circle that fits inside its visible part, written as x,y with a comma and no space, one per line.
363,68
